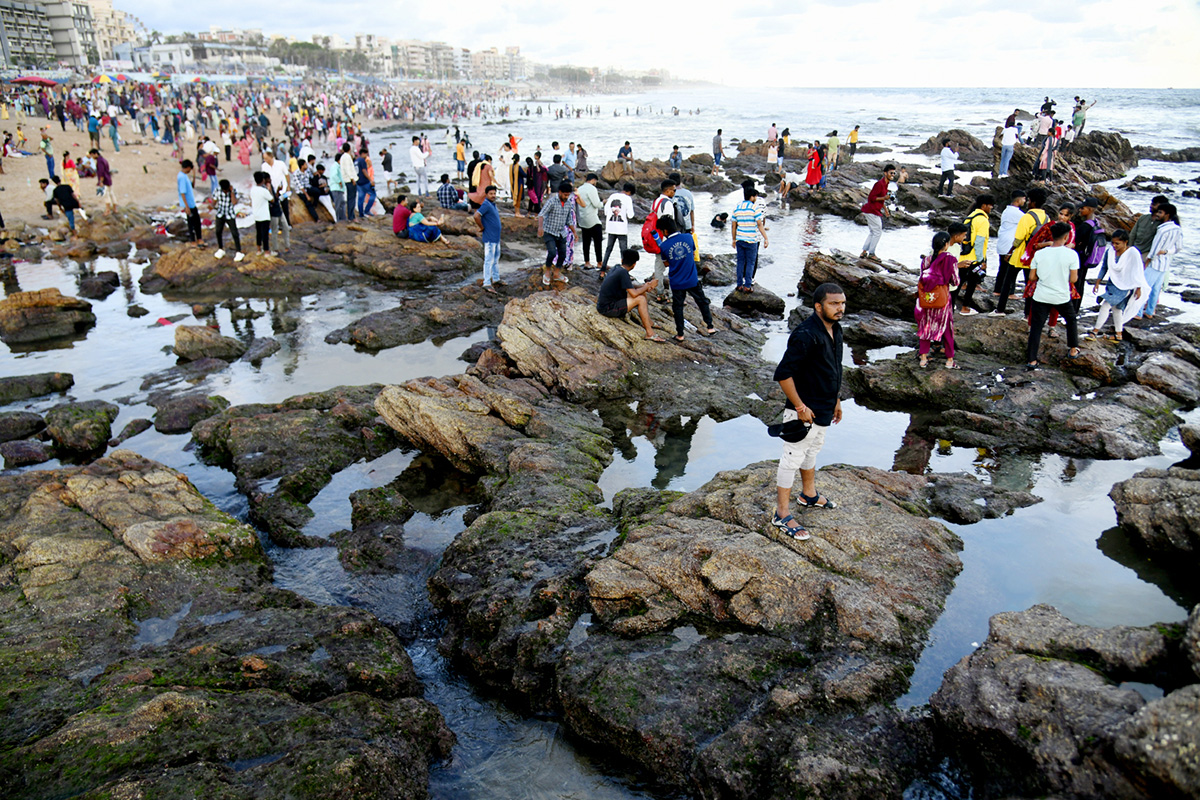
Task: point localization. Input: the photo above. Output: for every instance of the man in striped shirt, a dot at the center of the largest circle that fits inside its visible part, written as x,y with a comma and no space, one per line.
748,231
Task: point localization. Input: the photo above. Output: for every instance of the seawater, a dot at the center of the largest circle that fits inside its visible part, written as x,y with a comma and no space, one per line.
1065,551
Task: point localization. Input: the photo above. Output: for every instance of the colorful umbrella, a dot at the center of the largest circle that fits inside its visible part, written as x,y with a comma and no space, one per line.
35,80
122,78
199,79
102,79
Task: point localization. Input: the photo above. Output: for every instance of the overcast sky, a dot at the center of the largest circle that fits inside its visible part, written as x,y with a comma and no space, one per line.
1117,43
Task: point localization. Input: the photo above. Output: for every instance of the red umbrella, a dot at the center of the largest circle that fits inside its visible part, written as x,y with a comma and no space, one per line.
34,79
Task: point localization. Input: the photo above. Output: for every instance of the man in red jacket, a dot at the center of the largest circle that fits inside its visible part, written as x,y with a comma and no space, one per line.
875,210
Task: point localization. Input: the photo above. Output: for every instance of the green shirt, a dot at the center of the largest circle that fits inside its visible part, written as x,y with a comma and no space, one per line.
1054,265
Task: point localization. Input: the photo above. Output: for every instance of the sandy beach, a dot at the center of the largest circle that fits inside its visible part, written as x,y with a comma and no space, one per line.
143,172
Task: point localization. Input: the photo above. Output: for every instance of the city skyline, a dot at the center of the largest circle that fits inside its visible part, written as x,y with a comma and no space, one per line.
777,43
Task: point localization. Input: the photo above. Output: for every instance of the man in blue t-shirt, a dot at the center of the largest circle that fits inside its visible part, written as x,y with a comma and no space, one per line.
488,220
679,254
187,201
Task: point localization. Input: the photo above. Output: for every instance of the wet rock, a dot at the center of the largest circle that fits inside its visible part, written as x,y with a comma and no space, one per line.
82,427
762,302
1038,709
712,636
43,314
193,342
131,429
449,314
189,372
370,247
721,269
23,387
1190,295
885,287
100,285
261,347
136,311
963,142
19,425
201,310
1190,436
1176,156
382,504
23,452
869,329
560,339
991,404
180,414
189,271
1172,376
283,454
1160,509
964,499
157,657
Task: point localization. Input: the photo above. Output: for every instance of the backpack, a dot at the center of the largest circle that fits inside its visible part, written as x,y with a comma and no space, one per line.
648,229
1042,234
969,245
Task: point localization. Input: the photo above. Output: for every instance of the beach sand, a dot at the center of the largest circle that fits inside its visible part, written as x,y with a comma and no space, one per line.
143,172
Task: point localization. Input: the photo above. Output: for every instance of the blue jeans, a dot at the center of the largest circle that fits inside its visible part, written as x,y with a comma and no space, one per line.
491,263
1157,279
1005,157
747,254
70,214
365,191
50,165
350,192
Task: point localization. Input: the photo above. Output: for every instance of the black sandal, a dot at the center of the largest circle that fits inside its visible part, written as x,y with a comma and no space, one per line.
798,533
811,502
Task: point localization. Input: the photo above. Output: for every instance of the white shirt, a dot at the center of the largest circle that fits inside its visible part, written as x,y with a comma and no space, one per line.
1008,138
349,172
260,204
664,206
949,159
1008,229
417,155
1045,122
279,175
210,146
1169,237
616,214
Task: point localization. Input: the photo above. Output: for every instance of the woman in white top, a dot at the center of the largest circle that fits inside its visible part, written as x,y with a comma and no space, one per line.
1127,288
1167,241
502,173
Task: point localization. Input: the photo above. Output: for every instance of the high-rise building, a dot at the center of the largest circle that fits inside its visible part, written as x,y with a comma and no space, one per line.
113,27
73,32
25,38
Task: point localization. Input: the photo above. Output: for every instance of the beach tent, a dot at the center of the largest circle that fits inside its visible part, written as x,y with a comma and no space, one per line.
34,80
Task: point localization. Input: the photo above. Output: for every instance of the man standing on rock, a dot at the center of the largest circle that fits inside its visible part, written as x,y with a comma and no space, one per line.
488,220
853,141
349,174
949,159
617,211
1089,244
718,150
874,210
1030,222
1054,268
810,375
557,215
187,201
418,158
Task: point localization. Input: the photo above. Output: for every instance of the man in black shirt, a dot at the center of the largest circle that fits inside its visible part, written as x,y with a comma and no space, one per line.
64,197
810,375
618,296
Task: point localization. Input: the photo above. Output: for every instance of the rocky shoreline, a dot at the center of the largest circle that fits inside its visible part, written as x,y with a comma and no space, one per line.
147,650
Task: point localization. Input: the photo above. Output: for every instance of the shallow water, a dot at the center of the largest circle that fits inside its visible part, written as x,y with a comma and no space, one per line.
1064,551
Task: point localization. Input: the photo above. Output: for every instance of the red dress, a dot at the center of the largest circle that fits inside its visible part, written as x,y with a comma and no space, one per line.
813,178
